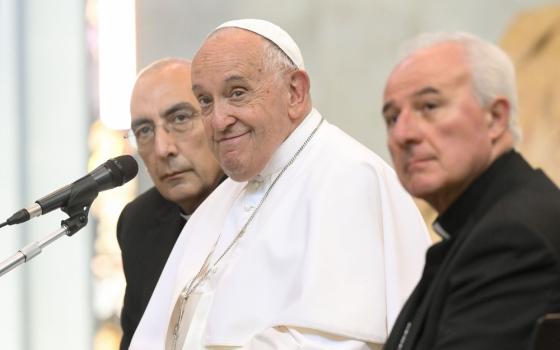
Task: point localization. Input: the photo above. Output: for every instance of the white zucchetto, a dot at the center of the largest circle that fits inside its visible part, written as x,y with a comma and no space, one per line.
271,32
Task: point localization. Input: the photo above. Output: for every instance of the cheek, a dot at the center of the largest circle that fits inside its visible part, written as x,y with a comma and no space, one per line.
197,137
207,125
392,147
197,151
396,154
208,169
456,142
205,131
150,163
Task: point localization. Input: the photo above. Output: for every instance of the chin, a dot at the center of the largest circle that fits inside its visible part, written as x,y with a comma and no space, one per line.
242,169
237,176
422,188
174,191
234,170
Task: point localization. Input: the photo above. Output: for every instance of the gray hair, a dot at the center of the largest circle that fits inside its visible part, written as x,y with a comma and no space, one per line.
275,60
492,71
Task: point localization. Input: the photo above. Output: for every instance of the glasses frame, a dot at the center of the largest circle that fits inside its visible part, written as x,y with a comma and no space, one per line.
178,125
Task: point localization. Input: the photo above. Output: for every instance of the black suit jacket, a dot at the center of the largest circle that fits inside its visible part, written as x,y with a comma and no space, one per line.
498,270
147,230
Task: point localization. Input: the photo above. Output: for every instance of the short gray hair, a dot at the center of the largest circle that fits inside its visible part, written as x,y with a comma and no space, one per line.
492,71
275,60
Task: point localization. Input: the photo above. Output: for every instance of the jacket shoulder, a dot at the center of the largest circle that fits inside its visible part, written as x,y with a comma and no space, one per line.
143,210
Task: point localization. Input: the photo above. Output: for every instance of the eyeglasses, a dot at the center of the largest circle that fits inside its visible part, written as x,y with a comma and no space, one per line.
178,125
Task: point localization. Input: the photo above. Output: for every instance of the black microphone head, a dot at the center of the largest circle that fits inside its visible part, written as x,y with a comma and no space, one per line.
124,168
115,172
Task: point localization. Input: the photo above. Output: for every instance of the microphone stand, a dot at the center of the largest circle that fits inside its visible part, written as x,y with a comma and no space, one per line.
79,202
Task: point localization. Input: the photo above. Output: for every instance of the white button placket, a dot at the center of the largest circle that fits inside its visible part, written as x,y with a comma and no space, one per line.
254,193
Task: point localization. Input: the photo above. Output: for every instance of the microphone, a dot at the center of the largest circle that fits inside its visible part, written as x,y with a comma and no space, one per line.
114,172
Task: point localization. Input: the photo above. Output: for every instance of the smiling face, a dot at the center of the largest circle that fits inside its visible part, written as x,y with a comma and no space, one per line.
439,136
181,166
244,106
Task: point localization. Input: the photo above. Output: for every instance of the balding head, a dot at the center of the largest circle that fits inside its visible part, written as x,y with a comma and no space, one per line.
165,120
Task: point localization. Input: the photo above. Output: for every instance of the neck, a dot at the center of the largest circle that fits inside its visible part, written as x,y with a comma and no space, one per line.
442,201
189,205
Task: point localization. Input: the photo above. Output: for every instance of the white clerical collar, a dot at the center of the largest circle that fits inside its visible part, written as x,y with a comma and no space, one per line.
290,146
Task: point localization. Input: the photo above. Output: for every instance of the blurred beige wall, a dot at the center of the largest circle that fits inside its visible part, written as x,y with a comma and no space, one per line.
533,41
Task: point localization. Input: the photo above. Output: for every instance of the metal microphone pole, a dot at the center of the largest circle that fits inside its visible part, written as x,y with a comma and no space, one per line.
30,251
80,199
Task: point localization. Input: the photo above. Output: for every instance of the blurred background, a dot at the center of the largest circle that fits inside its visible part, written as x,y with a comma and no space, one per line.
66,73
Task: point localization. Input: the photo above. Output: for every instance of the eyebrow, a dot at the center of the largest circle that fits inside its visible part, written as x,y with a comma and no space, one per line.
176,107
139,122
235,78
195,87
228,80
424,91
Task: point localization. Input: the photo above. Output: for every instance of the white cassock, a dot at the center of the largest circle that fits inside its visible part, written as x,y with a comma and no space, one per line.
327,262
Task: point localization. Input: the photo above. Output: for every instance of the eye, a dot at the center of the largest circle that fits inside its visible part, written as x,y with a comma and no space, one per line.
429,106
237,93
204,101
144,132
391,116
181,118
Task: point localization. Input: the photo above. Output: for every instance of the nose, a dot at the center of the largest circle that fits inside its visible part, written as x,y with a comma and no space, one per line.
406,130
164,143
222,117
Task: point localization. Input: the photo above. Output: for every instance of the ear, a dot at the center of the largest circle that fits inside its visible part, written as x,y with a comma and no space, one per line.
298,94
498,118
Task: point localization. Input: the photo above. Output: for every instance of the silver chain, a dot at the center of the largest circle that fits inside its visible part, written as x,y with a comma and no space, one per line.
204,271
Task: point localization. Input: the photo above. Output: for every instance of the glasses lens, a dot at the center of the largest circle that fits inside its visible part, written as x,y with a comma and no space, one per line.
131,138
181,122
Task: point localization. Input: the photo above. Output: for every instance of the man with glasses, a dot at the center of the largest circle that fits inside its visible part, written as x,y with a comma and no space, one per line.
168,132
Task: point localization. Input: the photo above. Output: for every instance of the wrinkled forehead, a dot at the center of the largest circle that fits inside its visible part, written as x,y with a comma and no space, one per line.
229,43
229,51
170,80
156,91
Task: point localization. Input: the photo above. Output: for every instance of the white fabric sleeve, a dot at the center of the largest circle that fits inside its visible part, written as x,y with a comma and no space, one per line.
290,338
